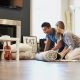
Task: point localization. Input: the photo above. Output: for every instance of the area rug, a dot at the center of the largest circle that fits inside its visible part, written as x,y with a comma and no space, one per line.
66,60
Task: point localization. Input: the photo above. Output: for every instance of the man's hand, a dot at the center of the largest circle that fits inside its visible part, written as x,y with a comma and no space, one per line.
47,44
58,45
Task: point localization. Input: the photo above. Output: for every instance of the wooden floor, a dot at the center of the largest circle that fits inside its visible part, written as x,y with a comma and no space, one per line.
38,70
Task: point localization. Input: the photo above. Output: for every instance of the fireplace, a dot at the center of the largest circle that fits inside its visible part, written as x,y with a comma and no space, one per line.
8,30
10,27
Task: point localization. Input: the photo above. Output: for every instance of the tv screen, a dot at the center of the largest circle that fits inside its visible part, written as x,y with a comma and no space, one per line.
11,3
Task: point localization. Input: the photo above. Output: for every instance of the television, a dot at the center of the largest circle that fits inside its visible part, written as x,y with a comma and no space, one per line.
11,3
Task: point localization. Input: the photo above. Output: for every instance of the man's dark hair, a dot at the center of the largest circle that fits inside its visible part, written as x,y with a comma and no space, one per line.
60,24
46,24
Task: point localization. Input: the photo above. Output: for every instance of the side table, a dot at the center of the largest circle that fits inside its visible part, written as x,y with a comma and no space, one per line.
10,40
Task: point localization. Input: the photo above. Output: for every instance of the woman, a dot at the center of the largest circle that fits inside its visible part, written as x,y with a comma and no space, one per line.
71,40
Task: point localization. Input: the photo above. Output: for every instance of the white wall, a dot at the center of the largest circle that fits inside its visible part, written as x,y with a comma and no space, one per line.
64,7
46,11
75,3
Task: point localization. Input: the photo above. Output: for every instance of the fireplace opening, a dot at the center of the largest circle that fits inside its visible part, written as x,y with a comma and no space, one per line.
8,30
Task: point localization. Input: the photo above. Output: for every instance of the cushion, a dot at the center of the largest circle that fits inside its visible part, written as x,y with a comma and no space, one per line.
73,55
24,55
22,47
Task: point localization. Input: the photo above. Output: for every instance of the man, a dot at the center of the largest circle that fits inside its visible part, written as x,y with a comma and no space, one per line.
51,37
71,40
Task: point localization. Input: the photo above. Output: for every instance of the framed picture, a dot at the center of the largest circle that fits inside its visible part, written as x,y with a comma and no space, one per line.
32,41
16,4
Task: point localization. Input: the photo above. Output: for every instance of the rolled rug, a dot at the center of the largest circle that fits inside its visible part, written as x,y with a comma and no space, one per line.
51,55
48,56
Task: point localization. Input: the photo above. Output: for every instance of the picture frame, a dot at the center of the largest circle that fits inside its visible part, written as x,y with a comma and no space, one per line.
11,4
32,41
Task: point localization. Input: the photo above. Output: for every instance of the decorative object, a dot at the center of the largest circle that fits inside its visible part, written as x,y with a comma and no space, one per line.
32,41
7,52
10,39
16,4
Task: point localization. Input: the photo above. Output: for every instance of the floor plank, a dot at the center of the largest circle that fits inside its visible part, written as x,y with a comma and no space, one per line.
38,70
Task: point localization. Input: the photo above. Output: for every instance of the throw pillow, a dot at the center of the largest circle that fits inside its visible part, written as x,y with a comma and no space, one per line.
22,47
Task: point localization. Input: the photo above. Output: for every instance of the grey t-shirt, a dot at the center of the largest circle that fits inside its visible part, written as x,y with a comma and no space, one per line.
71,40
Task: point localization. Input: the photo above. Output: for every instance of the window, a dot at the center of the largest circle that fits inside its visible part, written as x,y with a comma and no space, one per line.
77,23
44,11
75,7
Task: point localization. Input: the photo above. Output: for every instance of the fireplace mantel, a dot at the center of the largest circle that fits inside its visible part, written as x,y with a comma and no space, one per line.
13,22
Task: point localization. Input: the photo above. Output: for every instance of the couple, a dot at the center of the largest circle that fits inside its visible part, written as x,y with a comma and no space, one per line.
65,43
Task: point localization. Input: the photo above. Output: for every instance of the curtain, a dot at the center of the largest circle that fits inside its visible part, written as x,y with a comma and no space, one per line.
68,20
